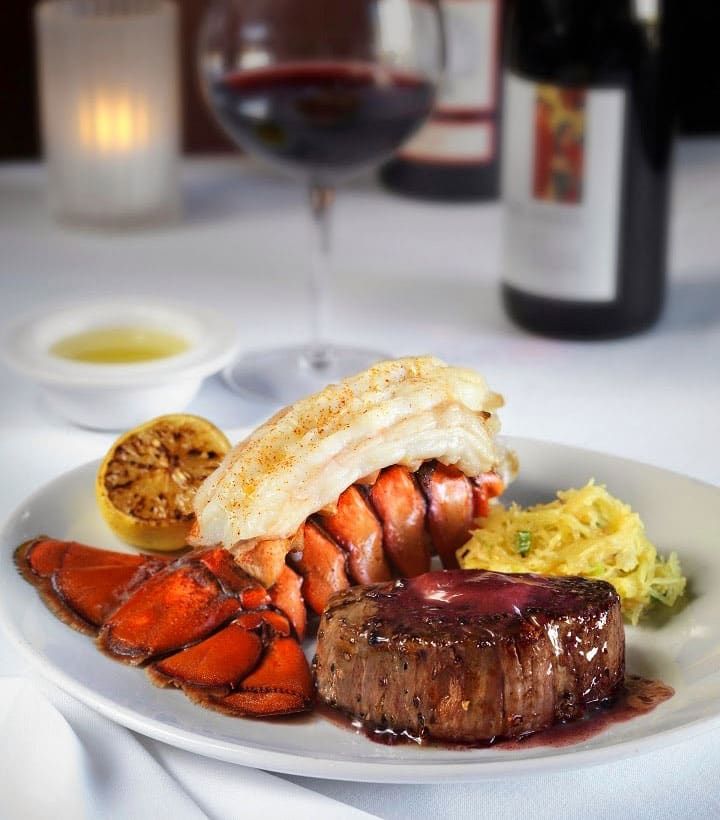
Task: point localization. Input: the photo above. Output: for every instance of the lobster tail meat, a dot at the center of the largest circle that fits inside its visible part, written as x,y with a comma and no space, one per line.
310,456
265,560
355,528
450,509
402,509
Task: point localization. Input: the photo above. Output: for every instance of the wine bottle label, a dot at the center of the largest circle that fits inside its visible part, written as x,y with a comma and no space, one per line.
461,129
561,180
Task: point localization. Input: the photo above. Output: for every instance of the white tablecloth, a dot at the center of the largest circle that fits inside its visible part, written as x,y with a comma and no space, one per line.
410,278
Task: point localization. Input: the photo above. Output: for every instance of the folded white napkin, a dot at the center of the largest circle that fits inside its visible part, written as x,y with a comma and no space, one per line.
59,759
42,761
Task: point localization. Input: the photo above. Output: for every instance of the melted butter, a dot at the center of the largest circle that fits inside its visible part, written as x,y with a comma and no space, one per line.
119,345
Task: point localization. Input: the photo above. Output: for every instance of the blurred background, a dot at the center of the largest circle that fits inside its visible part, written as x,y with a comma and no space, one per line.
20,138
570,159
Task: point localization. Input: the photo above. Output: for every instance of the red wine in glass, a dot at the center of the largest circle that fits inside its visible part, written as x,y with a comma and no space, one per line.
322,90
325,120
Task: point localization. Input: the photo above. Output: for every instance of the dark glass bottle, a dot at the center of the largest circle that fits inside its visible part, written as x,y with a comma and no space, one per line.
695,66
456,155
587,148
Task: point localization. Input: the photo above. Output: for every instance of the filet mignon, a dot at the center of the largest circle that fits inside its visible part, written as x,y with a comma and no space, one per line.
470,656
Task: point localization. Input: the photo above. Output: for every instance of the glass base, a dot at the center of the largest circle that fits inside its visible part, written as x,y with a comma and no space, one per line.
284,375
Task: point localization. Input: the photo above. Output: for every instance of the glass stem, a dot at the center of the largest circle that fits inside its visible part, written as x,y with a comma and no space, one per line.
321,199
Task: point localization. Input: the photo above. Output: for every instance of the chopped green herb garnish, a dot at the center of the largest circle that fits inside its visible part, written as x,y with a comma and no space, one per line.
598,569
523,541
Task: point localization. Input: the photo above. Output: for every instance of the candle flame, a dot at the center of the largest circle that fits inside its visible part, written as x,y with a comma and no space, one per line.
113,124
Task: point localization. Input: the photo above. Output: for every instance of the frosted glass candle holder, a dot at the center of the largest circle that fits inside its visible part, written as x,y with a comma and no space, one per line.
109,104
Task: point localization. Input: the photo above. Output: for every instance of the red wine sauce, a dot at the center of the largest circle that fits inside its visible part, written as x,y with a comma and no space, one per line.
638,697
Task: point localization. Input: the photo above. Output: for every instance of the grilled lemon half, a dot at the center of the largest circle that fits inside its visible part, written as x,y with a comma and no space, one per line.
147,482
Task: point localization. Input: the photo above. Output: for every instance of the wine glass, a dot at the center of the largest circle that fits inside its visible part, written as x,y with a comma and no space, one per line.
322,89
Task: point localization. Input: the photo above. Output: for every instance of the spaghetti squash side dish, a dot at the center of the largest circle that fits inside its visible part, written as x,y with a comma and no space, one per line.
584,532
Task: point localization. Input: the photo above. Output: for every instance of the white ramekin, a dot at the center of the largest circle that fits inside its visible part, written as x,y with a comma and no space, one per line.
117,396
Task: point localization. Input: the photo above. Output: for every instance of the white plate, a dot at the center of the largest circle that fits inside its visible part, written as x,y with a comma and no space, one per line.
680,514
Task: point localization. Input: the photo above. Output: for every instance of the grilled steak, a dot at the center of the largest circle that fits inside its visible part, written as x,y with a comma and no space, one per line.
470,656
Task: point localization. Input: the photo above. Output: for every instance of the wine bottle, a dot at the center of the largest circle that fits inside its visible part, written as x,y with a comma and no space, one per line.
455,155
585,180
696,26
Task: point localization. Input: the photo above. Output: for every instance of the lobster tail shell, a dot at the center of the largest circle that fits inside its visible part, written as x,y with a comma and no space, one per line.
215,664
356,529
201,623
286,595
174,609
321,563
281,684
450,509
402,509
82,585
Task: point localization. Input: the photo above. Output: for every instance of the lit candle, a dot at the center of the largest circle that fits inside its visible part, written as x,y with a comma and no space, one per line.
113,123
109,102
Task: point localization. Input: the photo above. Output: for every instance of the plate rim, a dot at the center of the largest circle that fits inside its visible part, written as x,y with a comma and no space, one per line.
413,771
